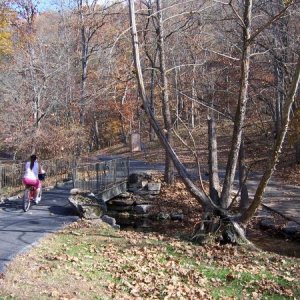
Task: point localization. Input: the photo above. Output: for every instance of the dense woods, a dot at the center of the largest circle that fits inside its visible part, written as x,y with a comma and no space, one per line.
89,74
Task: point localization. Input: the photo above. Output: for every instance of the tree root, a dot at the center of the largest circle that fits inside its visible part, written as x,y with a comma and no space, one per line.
223,230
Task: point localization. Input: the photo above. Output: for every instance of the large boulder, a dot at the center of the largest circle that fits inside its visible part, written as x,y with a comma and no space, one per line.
86,206
138,178
137,181
142,209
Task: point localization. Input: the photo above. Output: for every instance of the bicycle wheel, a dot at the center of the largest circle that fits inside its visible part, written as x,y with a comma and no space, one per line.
26,200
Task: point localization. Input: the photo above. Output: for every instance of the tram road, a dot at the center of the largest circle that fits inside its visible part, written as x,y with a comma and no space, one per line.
20,230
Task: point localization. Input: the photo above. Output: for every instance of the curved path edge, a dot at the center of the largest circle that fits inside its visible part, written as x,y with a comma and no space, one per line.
19,230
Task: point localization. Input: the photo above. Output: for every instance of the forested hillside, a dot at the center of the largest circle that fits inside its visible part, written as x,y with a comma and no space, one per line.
68,80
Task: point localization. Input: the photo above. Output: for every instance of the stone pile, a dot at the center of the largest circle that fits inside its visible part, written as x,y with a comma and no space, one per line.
134,205
128,207
88,206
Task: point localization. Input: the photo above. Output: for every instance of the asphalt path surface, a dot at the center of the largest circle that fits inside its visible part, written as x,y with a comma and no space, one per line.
20,230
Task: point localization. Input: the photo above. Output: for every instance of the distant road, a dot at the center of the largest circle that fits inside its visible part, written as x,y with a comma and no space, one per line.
19,230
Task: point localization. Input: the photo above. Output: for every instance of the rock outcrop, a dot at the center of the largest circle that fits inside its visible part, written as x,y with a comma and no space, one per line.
86,206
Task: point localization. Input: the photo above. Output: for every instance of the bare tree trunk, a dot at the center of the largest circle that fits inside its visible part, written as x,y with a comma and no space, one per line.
36,98
152,59
199,195
277,148
194,96
178,98
241,109
279,97
152,106
95,130
124,132
244,202
214,183
84,63
169,168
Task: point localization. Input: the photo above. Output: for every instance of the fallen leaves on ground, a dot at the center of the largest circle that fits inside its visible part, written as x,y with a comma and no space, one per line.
105,263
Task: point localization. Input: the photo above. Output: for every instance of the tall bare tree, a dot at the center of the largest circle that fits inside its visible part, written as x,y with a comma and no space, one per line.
210,207
169,168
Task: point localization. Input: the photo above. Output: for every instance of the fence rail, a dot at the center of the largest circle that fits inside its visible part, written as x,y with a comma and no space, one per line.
57,170
98,177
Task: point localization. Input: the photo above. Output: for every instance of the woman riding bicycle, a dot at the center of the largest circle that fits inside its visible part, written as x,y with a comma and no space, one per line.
31,175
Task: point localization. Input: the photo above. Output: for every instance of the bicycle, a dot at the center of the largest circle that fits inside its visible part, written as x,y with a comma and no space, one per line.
30,193
30,196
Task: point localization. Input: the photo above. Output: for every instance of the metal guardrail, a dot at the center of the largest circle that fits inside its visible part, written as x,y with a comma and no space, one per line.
98,177
57,170
11,175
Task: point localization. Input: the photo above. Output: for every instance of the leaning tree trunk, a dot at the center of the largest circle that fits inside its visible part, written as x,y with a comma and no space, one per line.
277,148
199,195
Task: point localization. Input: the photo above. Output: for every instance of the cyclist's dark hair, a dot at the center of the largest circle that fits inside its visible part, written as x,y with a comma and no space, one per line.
32,160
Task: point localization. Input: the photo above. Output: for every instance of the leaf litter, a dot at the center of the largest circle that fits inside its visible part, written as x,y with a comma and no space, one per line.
90,260
107,264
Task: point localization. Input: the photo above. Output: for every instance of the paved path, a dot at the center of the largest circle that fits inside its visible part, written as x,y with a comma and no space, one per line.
282,198
19,230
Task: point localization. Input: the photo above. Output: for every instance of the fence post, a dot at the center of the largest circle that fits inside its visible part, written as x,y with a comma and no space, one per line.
115,170
1,177
97,177
74,175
